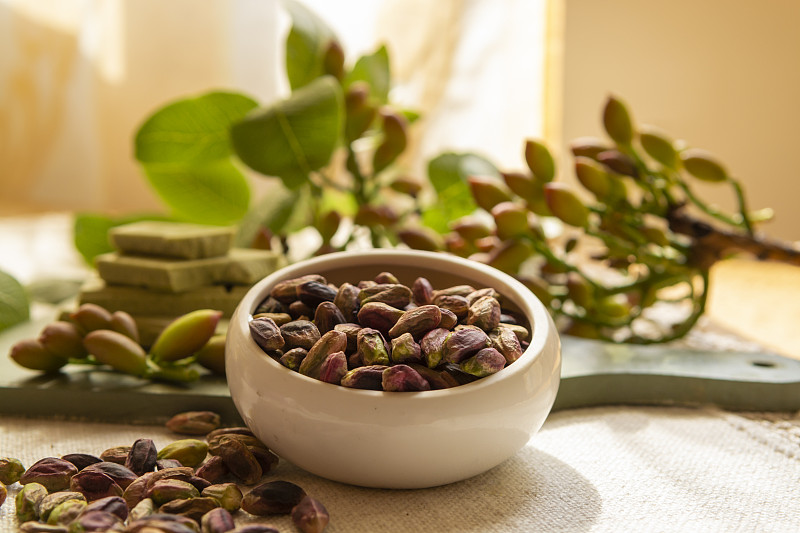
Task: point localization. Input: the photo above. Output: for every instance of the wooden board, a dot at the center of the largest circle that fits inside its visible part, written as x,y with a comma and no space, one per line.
593,374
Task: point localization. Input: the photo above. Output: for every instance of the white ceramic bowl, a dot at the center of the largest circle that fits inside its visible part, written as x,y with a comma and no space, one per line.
395,439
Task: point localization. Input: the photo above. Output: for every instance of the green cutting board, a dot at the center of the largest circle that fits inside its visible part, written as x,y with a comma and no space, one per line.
593,373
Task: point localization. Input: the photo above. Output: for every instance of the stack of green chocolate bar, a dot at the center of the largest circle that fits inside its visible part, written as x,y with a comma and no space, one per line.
161,270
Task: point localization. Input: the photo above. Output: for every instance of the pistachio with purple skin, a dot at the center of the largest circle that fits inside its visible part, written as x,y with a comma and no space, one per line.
166,490
310,516
110,504
435,378
239,460
486,362
333,341
393,294
432,346
417,321
351,330
448,320
405,350
217,520
455,290
453,302
116,454
347,300
299,334
229,495
279,318
313,293
96,520
142,457
142,509
94,485
66,512
273,497
422,291
365,377
403,378
265,458
122,475
27,501
327,316
266,333
484,313
300,311
81,460
464,343
292,358
213,470
505,341
11,470
164,523
194,422
286,291
193,508
372,347
379,315
53,473
53,500
334,368
271,305
386,277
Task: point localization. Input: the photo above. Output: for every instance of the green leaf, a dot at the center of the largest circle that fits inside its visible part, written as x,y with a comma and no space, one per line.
448,175
305,46
373,69
192,130
14,305
341,201
212,193
91,232
295,136
273,210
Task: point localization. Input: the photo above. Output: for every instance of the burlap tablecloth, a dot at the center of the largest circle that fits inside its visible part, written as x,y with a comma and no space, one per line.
604,469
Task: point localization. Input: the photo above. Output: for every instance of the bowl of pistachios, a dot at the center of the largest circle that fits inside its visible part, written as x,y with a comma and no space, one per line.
392,368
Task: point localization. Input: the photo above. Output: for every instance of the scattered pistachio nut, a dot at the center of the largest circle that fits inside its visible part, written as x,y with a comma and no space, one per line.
310,516
11,470
273,497
53,473
194,422
190,452
28,499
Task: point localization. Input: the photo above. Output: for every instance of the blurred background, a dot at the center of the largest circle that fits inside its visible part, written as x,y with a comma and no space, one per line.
77,78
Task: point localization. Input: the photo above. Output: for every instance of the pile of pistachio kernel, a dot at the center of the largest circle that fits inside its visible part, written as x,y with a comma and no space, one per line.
188,486
382,335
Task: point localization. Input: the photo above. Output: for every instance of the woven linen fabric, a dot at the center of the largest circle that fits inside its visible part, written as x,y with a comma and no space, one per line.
604,469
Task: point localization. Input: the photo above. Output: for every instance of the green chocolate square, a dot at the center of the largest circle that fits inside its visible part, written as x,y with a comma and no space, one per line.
138,301
172,239
241,266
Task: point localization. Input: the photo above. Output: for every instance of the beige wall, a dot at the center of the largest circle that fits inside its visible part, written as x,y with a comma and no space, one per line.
77,77
722,74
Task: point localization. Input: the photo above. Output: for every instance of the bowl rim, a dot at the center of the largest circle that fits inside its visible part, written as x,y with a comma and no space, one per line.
541,324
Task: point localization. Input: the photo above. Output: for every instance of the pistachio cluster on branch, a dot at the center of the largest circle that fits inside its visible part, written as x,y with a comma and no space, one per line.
640,237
